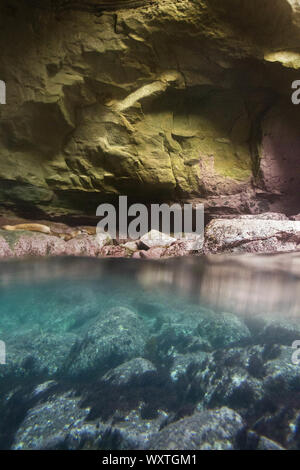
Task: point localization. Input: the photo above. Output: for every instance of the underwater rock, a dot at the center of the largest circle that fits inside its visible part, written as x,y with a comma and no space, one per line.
256,381
292,437
174,339
280,332
257,442
282,375
47,425
60,422
182,363
222,329
268,444
36,354
134,370
280,424
229,381
251,236
85,435
209,430
112,338
131,431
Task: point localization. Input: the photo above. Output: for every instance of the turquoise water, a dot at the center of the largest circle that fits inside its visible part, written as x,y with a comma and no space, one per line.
108,354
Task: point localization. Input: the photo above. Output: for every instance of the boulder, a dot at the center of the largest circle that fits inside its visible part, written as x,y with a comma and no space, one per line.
114,251
154,239
112,338
37,354
22,244
134,370
263,216
251,235
209,430
222,329
131,246
47,425
153,253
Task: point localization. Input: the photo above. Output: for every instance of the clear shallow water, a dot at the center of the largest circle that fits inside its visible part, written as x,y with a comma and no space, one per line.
107,354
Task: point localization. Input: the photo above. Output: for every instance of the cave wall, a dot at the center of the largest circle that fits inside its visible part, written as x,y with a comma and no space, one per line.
185,100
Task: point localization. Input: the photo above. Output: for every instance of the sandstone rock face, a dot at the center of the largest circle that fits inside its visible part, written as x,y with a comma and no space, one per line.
173,100
252,235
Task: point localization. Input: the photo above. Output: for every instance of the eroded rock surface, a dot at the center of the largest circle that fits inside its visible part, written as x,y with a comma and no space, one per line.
252,235
171,100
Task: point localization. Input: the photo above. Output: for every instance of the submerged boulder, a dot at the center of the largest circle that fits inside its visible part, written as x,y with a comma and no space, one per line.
47,425
222,329
209,430
112,338
36,353
134,370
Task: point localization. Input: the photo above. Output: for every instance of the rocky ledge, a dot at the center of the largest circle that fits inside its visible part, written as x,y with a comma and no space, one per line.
264,233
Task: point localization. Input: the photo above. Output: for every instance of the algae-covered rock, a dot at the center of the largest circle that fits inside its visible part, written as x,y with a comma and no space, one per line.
134,370
156,100
222,329
112,338
36,354
47,425
210,430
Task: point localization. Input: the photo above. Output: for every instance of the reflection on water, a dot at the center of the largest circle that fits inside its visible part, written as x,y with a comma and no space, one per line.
116,351
245,284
